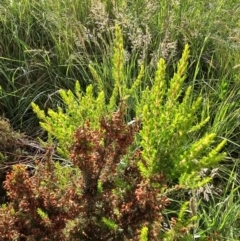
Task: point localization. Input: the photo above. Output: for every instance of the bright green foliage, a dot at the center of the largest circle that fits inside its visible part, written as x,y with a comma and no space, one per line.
79,108
144,234
169,119
109,223
193,180
42,214
122,90
118,68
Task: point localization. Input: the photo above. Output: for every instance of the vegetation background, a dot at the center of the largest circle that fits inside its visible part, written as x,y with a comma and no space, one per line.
47,46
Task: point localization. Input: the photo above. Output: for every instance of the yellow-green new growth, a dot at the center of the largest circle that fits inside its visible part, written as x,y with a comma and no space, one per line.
179,77
117,68
43,216
121,91
109,223
78,109
169,120
144,234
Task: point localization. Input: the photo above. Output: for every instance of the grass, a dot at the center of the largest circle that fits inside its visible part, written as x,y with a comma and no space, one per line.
48,45
219,216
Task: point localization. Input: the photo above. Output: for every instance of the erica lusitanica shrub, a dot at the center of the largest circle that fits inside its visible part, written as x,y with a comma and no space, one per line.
115,177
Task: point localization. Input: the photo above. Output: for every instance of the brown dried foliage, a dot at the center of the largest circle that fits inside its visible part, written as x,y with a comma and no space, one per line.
121,195
20,219
15,148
